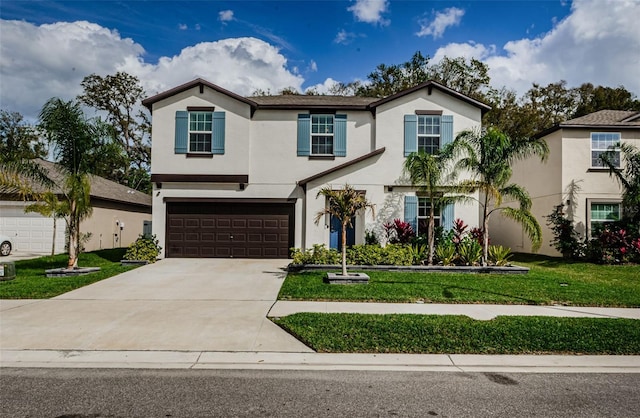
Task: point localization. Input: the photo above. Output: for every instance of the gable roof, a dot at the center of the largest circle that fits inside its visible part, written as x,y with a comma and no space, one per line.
101,188
430,85
302,101
602,119
198,82
307,180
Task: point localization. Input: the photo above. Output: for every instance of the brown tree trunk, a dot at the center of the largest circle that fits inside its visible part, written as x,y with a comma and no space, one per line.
344,249
73,237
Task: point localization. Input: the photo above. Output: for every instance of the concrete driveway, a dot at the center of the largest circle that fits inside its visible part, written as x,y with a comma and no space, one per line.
174,304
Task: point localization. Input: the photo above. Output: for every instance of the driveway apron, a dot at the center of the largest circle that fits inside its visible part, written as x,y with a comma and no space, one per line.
174,304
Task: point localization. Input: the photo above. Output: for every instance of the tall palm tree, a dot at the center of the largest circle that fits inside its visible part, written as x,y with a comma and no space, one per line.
628,177
434,175
489,157
343,204
73,140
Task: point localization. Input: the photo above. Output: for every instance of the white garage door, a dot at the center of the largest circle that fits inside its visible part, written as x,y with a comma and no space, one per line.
30,232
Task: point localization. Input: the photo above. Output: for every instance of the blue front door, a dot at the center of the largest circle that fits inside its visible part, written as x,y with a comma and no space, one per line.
335,235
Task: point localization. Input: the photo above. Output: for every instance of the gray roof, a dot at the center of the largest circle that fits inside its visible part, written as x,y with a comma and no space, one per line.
101,188
289,100
606,118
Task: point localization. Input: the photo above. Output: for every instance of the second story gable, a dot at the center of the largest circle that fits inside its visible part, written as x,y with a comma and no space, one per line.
200,128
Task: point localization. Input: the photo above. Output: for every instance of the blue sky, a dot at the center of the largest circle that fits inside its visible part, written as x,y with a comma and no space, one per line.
49,46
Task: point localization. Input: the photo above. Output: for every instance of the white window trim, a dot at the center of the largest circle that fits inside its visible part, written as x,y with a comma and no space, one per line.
590,202
419,135
332,135
189,132
616,148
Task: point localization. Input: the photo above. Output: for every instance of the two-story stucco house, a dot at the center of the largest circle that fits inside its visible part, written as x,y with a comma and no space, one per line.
573,176
239,177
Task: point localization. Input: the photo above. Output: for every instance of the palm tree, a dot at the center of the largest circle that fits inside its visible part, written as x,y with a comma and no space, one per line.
73,138
343,204
22,177
628,177
489,156
433,174
49,206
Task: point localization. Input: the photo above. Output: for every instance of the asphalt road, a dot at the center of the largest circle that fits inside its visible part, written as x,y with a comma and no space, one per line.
82,393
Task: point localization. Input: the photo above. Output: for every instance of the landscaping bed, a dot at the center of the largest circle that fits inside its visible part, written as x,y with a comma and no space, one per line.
550,281
32,283
439,334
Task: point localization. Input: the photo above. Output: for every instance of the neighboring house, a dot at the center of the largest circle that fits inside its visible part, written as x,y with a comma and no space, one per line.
238,177
574,177
119,216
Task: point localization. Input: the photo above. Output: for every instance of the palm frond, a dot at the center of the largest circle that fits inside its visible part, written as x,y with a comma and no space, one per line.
530,225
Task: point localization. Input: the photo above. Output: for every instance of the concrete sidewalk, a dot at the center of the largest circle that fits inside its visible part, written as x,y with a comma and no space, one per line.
476,311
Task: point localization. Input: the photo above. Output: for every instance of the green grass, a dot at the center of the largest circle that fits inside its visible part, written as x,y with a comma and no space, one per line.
550,281
432,334
31,282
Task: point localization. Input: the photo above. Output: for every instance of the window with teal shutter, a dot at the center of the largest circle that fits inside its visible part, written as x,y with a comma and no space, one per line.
411,211
447,216
304,132
446,130
199,132
410,134
322,135
340,136
182,132
218,132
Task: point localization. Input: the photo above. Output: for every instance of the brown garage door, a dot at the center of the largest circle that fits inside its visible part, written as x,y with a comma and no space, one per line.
225,229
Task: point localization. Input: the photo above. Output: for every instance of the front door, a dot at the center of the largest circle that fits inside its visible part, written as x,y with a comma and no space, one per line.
335,236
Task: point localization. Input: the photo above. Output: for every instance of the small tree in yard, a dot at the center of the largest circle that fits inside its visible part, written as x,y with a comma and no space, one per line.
343,204
51,207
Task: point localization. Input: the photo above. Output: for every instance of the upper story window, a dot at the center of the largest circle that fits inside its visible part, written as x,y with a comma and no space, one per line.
602,142
427,131
428,134
199,132
321,134
200,129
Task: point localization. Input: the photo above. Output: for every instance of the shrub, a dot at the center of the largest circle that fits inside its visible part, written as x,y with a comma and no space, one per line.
418,253
499,255
397,255
365,255
614,245
370,238
446,253
319,254
399,232
565,238
470,252
145,248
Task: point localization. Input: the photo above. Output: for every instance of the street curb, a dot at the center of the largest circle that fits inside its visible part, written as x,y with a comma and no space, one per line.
460,363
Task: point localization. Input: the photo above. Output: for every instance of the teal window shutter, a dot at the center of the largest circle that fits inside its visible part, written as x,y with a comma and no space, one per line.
447,216
446,130
410,134
411,212
340,136
218,134
304,134
182,131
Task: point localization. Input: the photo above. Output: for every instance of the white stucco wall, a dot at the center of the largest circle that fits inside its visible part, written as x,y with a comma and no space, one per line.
264,146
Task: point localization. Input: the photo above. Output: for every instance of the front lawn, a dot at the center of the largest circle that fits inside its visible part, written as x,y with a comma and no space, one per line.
32,283
434,334
550,281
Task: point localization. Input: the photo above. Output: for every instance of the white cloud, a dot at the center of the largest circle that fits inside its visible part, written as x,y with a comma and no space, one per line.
323,88
599,42
370,11
225,15
40,62
345,38
444,19
313,66
183,26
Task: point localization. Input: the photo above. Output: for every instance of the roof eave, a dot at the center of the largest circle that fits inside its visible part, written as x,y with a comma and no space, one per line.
307,180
